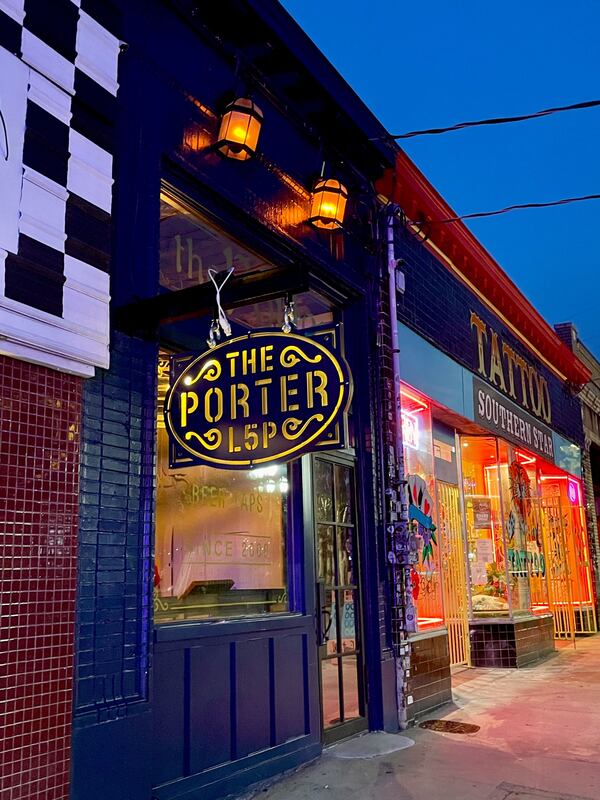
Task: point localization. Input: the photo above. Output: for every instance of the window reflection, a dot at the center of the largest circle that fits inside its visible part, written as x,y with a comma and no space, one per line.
190,246
220,536
482,481
526,535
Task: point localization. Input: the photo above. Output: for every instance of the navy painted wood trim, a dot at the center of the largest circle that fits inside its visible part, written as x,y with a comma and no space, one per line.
185,631
232,701
187,691
229,778
361,354
295,541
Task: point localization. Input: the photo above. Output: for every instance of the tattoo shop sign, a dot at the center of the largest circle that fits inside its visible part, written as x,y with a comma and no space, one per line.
494,412
266,396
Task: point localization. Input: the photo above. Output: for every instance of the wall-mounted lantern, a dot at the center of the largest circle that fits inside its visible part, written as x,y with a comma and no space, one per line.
240,129
328,204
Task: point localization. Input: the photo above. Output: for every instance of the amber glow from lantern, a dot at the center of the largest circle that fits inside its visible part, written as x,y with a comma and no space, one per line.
328,204
240,129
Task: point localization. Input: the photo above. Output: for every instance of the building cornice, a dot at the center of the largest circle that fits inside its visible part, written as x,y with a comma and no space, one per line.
408,187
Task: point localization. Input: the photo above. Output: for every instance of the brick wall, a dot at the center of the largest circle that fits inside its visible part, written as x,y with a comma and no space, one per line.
117,475
437,306
40,413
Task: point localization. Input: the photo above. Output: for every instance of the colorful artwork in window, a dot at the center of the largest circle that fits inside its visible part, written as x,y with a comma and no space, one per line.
425,576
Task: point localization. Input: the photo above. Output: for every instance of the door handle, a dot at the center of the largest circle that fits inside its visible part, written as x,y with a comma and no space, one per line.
323,613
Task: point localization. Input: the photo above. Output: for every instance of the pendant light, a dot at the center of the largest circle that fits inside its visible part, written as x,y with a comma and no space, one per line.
328,204
239,130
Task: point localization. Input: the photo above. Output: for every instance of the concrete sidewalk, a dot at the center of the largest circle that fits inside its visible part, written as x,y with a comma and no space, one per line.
539,740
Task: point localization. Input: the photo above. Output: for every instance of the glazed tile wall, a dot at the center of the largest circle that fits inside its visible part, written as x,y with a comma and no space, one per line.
117,475
511,643
429,683
40,411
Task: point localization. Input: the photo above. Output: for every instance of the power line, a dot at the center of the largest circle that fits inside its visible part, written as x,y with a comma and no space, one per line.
497,120
563,202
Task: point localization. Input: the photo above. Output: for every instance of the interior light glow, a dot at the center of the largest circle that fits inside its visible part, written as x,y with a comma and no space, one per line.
263,472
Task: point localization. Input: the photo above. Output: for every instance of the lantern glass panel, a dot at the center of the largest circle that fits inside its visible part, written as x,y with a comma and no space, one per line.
239,130
328,205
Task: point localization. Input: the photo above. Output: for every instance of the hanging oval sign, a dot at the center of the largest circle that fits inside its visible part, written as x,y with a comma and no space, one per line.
266,396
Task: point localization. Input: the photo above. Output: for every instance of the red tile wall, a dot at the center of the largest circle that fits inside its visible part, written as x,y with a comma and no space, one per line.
40,413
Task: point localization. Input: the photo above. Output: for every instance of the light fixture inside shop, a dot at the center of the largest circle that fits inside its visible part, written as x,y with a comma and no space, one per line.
240,129
328,204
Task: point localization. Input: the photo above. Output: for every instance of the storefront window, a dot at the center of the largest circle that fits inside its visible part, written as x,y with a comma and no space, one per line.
482,484
419,472
220,537
526,551
516,496
190,246
527,539
220,545
569,568
310,311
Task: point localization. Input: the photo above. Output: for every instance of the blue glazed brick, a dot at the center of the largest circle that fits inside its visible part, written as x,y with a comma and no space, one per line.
437,306
117,485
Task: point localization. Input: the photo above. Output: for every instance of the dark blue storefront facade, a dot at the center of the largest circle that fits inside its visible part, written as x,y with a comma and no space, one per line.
169,705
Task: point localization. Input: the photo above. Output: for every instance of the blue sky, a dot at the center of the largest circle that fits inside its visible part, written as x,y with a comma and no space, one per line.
422,65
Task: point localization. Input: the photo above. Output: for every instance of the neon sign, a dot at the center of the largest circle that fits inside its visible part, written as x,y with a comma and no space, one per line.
573,492
410,430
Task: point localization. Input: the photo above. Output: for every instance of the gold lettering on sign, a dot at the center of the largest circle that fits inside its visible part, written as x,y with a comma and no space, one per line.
239,397
189,403
505,368
288,391
264,383
510,357
496,364
523,369
321,387
213,411
255,402
481,329
266,357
